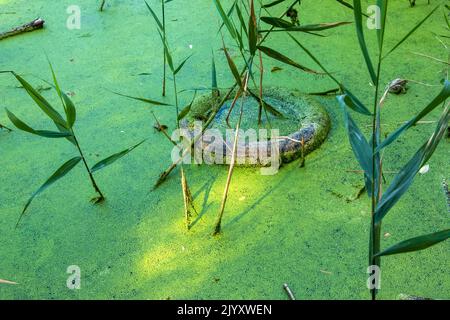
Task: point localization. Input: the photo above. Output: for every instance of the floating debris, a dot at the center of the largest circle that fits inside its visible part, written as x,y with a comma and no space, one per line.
289,291
28,27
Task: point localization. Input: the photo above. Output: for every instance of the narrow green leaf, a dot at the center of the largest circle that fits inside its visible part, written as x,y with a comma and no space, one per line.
154,102
417,243
233,67
358,142
19,124
113,158
362,41
252,30
41,102
214,85
440,98
314,27
167,53
183,113
229,13
272,4
181,65
383,5
241,20
354,103
411,32
71,112
277,22
225,19
61,172
403,180
280,57
267,106
158,22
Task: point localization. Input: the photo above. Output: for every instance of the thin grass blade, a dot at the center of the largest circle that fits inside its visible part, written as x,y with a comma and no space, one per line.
417,243
61,172
113,158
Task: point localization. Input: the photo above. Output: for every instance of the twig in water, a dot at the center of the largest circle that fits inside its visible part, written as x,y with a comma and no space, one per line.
102,5
32,26
288,291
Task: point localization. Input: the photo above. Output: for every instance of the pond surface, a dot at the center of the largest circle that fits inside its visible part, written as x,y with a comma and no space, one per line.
296,227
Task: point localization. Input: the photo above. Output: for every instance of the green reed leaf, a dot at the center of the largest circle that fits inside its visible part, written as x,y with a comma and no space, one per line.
358,142
19,124
277,22
403,180
113,158
183,113
273,3
225,19
252,30
440,98
214,86
417,243
383,5
41,102
233,67
178,69
361,40
149,101
411,31
61,172
158,22
280,57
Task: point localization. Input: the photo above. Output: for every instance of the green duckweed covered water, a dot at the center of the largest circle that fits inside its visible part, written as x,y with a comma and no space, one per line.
296,227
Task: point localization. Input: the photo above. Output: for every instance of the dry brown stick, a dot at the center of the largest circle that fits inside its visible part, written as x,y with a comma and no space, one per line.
32,26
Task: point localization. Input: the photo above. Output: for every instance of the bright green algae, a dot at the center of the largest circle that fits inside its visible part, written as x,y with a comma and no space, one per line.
295,227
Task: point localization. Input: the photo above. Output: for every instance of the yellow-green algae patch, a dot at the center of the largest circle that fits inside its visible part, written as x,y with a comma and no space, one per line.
295,227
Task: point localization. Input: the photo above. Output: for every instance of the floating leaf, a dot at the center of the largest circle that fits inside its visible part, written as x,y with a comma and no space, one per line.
113,158
43,133
280,57
61,172
416,244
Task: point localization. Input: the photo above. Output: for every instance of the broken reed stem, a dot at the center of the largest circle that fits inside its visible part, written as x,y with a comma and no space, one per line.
164,130
230,173
7,282
288,291
28,27
446,192
218,224
261,78
102,5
